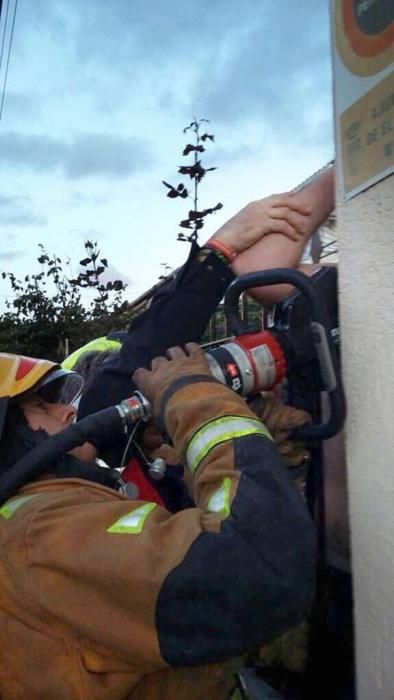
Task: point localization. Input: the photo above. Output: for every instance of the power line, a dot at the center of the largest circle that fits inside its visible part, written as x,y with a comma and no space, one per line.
8,56
4,31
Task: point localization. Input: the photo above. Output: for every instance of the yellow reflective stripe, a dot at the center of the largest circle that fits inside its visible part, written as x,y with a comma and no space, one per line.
9,508
100,344
219,502
132,523
218,431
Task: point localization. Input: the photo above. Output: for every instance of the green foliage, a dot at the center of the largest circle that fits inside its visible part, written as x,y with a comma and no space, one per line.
48,311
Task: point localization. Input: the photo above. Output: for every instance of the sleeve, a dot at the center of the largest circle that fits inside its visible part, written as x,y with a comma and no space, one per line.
249,574
179,313
197,587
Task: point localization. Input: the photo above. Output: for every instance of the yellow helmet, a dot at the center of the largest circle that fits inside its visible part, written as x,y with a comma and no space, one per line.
98,344
20,376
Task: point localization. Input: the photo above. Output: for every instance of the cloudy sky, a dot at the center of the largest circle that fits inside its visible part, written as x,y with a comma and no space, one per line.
98,94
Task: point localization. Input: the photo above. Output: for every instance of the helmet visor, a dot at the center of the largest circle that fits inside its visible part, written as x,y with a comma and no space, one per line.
61,386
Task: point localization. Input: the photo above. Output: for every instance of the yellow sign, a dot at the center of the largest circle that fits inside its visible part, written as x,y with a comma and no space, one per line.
363,33
367,135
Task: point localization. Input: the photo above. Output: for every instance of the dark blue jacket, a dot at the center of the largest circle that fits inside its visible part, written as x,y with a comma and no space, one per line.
179,313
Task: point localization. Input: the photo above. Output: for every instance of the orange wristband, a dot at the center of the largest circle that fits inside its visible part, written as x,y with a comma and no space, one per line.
221,247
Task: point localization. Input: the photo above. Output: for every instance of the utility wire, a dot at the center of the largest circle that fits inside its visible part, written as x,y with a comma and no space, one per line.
8,57
4,31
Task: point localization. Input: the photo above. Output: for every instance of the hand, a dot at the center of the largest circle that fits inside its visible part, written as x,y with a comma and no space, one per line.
153,445
151,439
282,213
281,421
165,370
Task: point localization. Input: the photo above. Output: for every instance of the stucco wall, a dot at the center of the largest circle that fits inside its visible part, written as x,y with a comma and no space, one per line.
366,254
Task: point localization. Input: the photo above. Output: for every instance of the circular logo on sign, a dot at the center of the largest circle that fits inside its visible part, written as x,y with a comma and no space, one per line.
373,17
365,34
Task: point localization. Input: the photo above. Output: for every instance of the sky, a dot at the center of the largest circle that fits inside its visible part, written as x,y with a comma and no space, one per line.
98,94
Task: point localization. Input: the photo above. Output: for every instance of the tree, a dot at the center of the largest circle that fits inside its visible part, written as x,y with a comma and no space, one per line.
196,172
48,310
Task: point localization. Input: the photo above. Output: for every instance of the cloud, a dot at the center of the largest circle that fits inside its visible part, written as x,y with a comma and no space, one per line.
273,68
229,61
85,155
142,30
79,199
114,156
11,200
11,255
223,155
22,219
99,41
16,210
17,105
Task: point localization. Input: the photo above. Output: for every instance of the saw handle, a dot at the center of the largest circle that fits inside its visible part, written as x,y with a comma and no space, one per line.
320,335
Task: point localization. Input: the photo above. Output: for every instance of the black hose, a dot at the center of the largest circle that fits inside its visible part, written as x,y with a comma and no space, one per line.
40,459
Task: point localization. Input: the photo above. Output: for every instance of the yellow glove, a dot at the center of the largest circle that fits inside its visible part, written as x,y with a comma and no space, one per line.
281,421
179,363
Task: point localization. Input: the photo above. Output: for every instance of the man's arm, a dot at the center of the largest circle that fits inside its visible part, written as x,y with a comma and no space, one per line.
181,310
279,250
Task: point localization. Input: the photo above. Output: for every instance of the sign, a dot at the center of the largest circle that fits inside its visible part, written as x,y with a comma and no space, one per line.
364,91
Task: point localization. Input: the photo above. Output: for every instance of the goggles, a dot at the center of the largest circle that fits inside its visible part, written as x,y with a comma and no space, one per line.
61,386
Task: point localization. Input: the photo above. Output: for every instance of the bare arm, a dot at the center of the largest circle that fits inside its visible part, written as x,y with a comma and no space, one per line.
278,250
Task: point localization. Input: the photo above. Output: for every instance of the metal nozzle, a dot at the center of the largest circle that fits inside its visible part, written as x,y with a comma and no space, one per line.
135,408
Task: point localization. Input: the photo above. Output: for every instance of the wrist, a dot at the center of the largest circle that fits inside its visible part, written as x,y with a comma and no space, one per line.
224,248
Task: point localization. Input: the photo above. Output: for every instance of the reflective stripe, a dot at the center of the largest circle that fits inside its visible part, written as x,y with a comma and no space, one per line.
132,523
220,500
9,508
100,344
218,431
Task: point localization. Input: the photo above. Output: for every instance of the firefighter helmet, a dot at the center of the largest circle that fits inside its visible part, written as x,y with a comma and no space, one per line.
21,376
111,342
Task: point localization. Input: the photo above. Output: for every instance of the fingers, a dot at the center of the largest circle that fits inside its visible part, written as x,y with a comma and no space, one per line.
179,362
140,375
158,361
298,221
175,353
191,349
142,379
151,438
288,230
291,201
194,349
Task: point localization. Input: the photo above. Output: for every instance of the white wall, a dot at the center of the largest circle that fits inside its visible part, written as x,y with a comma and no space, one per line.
366,254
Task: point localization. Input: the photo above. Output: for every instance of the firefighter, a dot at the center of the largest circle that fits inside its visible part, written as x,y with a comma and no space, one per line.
104,344
179,313
104,597
181,308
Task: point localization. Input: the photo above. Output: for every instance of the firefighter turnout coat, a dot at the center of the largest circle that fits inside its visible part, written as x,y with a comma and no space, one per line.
104,598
